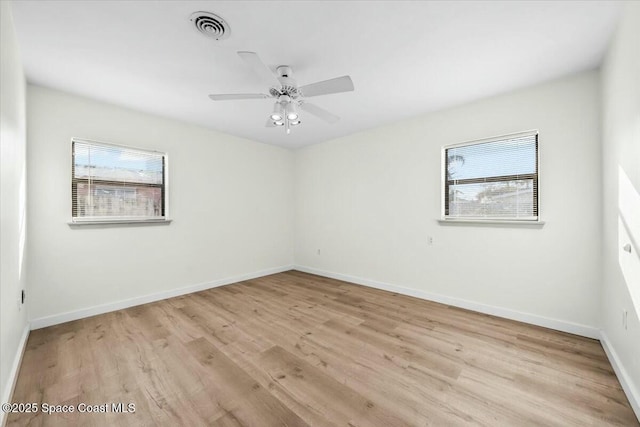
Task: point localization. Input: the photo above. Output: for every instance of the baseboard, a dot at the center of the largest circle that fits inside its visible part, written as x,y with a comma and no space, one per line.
55,319
7,393
625,379
559,325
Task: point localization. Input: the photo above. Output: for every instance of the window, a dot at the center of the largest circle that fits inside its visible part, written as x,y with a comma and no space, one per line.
492,179
111,183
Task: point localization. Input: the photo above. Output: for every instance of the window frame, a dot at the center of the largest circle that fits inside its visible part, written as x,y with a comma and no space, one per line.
445,183
96,220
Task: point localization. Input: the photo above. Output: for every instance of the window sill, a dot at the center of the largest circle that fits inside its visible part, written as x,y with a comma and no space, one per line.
492,223
118,222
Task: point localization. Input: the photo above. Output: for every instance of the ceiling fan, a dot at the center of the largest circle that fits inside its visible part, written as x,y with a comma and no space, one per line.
289,96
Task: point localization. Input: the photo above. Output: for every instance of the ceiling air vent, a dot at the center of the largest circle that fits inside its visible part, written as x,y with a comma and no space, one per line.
211,25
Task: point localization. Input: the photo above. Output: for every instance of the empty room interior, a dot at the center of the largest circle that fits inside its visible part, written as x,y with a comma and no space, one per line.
320,213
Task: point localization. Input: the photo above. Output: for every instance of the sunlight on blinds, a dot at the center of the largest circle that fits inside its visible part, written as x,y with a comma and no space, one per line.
497,179
110,182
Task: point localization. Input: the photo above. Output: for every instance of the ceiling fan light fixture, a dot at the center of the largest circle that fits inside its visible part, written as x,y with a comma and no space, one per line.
278,123
294,122
278,112
292,114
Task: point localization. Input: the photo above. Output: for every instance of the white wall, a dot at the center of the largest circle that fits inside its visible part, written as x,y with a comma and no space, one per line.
369,201
621,170
231,201
13,316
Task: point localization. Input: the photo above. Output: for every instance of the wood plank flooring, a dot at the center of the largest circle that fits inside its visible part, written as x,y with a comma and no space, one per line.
293,349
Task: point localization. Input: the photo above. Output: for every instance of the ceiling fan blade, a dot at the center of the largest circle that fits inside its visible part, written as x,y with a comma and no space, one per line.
319,112
337,85
259,67
231,96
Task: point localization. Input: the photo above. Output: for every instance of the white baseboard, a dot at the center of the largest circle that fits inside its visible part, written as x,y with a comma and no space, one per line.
55,319
7,393
623,376
559,325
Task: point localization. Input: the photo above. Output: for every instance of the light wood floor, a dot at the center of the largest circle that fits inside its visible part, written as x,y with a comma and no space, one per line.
296,349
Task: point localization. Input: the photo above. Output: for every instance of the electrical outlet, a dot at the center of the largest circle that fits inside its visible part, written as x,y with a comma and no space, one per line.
430,240
318,251
624,318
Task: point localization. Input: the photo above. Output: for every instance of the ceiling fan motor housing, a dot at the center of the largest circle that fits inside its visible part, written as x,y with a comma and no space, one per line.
289,84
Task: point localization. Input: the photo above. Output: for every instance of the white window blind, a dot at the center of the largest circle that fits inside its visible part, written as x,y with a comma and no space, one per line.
111,182
494,179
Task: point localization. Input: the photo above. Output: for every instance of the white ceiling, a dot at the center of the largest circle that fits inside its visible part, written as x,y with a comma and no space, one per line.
405,58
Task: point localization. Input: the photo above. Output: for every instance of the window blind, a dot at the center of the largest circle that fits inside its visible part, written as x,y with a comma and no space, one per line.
111,182
493,179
